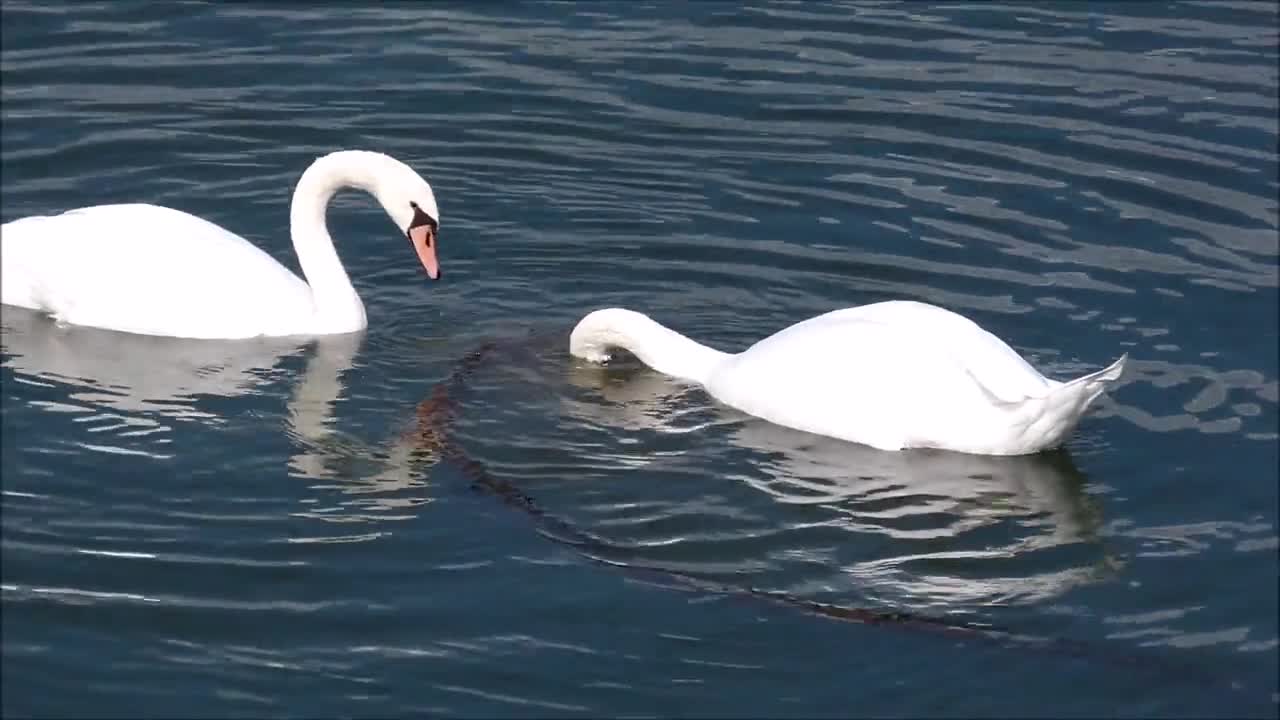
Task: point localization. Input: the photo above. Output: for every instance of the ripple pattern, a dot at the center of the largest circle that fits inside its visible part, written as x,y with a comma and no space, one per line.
193,529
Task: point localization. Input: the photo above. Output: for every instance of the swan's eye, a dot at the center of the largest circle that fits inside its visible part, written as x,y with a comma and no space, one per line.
425,222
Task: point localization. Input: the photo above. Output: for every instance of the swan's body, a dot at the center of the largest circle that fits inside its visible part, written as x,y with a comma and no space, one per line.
891,375
157,271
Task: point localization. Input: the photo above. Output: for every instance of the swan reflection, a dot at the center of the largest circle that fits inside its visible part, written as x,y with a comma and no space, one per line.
965,528
147,379
138,389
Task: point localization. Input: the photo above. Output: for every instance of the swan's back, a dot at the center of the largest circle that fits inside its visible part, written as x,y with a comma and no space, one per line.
995,365
146,269
892,374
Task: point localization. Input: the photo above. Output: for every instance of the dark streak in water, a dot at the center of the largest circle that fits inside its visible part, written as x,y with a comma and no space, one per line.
432,438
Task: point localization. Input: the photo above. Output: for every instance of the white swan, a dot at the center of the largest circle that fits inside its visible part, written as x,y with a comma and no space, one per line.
892,375
157,271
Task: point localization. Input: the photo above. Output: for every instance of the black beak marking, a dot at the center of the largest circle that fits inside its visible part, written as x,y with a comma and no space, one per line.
420,218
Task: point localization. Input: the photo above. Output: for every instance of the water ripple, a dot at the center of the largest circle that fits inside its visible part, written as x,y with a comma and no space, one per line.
221,523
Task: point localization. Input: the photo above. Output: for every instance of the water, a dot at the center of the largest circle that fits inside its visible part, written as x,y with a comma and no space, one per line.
219,530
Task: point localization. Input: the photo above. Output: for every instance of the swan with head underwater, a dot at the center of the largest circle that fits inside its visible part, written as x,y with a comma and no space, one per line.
892,375
154,270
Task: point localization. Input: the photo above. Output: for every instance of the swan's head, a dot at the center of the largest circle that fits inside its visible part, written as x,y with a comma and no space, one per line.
408,199
601,331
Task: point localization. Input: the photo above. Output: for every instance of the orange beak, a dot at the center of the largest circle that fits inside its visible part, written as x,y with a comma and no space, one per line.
423,238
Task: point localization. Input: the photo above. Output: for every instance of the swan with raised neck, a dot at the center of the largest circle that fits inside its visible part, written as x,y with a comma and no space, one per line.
155,270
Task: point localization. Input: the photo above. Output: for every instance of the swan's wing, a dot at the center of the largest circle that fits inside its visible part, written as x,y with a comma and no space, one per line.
144,268
935,333
851,378
883,379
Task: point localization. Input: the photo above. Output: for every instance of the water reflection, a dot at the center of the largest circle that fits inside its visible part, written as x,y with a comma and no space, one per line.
802,468
148,380
130,390
964,528
376,483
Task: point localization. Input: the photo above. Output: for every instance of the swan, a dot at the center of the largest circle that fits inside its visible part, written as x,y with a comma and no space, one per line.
154,270
892,375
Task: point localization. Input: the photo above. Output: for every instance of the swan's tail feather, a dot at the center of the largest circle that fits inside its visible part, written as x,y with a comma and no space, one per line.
1101,379
1054,416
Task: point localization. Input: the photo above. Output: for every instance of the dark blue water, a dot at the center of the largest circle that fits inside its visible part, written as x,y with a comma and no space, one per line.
258,529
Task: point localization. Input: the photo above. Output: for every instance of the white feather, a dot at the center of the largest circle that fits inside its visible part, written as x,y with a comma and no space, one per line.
158,271
891,375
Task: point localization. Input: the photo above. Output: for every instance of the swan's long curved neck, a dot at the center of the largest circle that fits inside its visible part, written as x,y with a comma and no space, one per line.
659,347
338,307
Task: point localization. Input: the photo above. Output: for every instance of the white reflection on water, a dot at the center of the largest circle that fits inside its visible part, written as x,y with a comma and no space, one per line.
930,503
128,391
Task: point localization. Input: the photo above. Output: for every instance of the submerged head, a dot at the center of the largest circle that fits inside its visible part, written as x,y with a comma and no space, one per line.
601,331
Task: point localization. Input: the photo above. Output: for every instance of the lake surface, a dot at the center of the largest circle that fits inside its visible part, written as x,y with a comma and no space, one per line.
268,529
